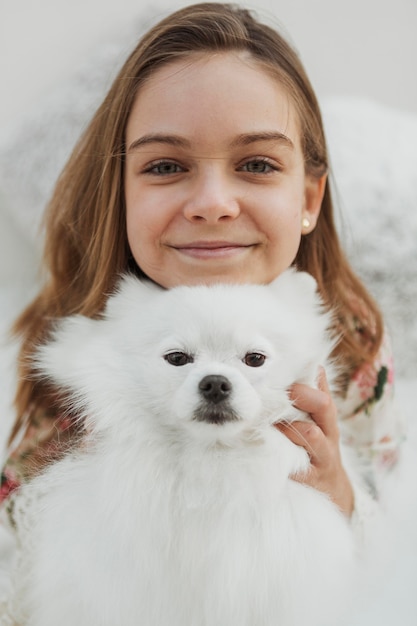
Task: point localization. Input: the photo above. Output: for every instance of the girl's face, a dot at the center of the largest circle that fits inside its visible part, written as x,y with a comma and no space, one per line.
215,184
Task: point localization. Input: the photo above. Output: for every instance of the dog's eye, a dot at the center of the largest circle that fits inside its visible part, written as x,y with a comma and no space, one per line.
178,358
254,359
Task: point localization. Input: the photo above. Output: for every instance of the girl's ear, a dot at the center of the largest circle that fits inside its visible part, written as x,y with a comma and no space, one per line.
313,197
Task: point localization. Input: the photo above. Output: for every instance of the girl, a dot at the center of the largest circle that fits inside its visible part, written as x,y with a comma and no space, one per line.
207,162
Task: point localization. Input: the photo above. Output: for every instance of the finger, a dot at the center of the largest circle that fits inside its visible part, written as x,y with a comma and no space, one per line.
308,435
318,403
331,425
322,382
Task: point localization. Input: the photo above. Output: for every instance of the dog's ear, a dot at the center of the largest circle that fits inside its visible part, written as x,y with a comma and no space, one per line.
130,293
63,357
293,284
79,359
79,348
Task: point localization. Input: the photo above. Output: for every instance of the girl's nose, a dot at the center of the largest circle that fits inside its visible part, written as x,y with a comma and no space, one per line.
212,198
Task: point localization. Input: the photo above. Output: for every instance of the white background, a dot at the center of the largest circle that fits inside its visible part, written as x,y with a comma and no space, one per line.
355,47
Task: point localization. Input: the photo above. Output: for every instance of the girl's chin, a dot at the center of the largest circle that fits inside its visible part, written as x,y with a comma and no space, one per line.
212,276
208,267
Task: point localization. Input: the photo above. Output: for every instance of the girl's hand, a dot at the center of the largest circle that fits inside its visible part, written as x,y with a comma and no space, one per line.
321,440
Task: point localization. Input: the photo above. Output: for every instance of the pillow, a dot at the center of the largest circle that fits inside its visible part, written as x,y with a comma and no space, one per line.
373,151
34,151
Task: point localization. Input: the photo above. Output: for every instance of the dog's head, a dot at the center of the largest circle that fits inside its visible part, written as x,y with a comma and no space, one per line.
209,360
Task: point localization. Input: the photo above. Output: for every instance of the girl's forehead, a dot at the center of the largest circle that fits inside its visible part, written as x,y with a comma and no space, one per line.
231,91
211,68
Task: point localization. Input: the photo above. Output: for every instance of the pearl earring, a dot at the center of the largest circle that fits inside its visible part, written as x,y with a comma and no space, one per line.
305,223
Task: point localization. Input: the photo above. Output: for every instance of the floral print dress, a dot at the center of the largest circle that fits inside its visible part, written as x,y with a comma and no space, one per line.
43,439
370,422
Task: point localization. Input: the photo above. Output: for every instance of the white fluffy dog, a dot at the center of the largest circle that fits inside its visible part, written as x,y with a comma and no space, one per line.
179,509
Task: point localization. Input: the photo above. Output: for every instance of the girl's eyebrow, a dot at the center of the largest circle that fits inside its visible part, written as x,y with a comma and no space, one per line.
248,138
244,139
172,140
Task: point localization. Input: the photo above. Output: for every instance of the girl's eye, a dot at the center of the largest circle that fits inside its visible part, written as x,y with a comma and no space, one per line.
254,359
163,168
178,358
258,166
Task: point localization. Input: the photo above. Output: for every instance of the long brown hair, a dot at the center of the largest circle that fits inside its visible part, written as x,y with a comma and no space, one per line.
86,243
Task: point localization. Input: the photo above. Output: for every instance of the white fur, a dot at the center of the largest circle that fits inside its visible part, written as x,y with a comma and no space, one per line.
164,520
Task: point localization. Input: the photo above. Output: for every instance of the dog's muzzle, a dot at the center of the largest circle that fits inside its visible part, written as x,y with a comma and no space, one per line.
215,408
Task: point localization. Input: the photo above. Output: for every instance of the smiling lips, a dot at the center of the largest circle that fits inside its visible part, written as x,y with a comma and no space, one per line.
211,249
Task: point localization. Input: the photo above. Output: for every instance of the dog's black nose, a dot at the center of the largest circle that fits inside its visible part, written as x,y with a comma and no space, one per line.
215,388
